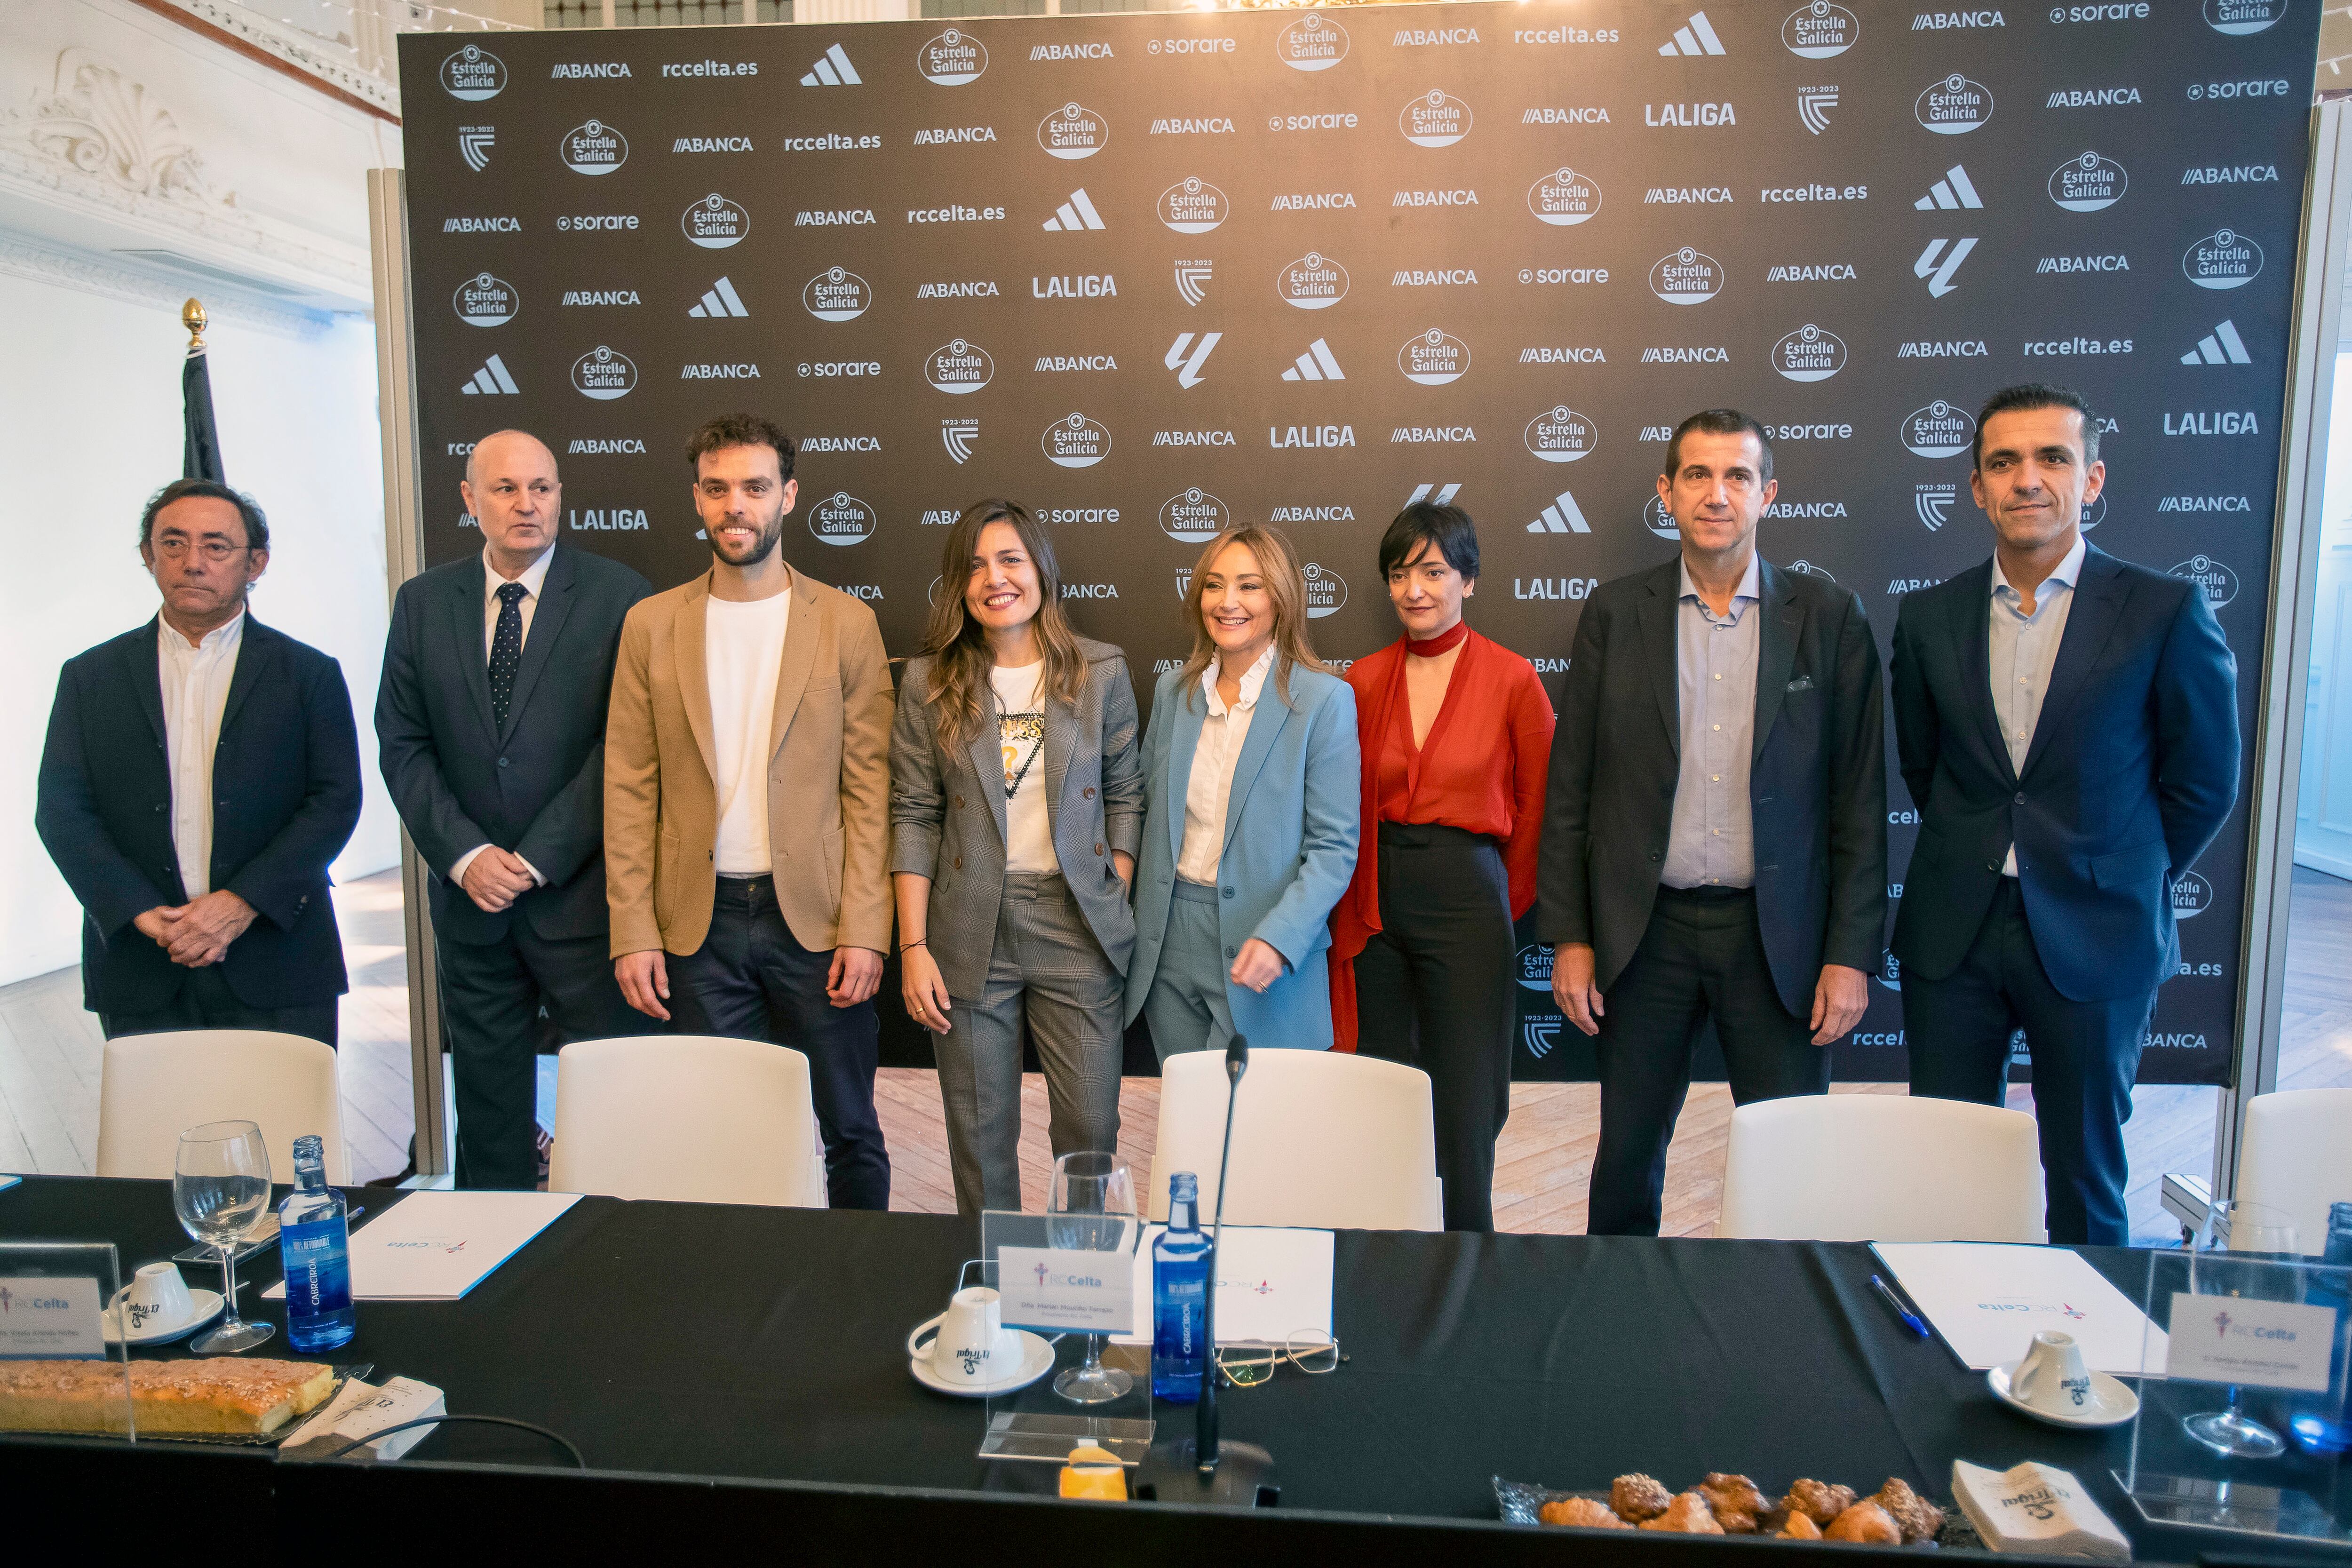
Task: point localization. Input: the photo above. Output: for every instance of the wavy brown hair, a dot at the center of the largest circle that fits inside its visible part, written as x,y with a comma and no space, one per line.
1286,585
958,645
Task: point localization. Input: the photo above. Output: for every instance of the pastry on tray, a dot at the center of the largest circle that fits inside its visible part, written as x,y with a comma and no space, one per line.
222,1395
1918,1518
1867,1523
1588,1513
1818,1500
1689,1514
1736,1502
1635,1498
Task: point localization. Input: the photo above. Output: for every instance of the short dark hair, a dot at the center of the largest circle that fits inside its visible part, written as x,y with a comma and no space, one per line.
2036,395
1447,527
257,527
741,430
1720,422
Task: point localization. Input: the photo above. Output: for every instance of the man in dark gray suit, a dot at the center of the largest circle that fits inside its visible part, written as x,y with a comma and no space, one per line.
491,723
1728,861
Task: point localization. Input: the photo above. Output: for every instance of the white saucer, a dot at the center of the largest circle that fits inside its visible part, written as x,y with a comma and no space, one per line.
206,1305
1036,1360
2112,1401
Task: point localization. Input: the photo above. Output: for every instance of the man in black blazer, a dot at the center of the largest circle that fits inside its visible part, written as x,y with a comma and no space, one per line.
201,773
1715,839
2068,725
491,723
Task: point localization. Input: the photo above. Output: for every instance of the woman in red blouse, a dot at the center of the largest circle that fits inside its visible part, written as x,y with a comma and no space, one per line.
1455,736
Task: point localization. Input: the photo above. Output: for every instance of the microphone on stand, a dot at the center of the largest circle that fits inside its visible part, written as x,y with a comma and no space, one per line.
1204,1429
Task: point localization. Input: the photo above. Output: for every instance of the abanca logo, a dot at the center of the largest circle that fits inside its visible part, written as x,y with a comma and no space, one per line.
1953,106
842,518
1561,435
1074,130
473,74
715,222
594,148
1810,354
1686,277
2222,259
2089,184
603,374
1192,206
1313,282
952,59
483,301
1435,119
1326,591
1820,31
959,366
1939,430
1313,43
1434,357
836,294
1194,517
1564,198
1076,442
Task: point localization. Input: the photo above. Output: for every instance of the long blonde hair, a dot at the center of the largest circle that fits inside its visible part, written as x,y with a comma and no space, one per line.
1286,585
958,645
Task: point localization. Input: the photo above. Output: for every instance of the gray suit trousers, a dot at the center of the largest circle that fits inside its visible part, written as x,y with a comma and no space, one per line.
1048,970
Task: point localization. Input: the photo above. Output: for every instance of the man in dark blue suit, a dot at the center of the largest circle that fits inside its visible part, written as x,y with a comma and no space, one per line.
200,776
2068,725
490,719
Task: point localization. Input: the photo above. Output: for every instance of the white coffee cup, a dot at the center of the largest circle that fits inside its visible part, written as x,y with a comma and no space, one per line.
156,1298
971,1347
2052,1376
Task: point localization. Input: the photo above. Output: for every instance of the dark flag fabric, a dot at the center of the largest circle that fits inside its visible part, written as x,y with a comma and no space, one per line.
202,457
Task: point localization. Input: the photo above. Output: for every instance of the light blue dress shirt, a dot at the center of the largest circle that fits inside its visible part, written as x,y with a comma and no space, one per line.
1711,843
2023,648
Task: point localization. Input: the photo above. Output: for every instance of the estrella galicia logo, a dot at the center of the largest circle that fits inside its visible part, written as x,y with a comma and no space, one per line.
1434,357
2089,184
473,73
1890,970
842,518
836,294
1313,282
1561,435
1953,106
952,59
2220,584
1435,119
1326,591
594,148
1810,354
1076,442
1809,570
605,374
1564,198
715,222
1686,277
959,366
2192,894
1195,516
1658,520
1192,206
2096,513
1535,967
1820,31
1312,43
1934,503
1939,430
1074,130
2240,18
483,301
2222,259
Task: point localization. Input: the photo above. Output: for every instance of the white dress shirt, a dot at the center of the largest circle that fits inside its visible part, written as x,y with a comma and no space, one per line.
533,575
195,679
743,652
2023,649
1209,791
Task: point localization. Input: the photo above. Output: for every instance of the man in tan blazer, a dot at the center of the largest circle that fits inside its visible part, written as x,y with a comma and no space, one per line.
747,801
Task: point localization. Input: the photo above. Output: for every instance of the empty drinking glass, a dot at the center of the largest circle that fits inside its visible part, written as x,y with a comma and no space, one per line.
2219,1265
220,1189
1091,1207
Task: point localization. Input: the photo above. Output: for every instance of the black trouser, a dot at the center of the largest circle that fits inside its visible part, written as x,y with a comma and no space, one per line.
205,1002
1434,990
753,981
2085,1055
1702,957
491,996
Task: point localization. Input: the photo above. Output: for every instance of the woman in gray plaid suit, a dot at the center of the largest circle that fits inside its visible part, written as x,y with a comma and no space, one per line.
1016,803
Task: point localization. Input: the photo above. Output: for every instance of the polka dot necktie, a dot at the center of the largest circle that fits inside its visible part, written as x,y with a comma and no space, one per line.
506,649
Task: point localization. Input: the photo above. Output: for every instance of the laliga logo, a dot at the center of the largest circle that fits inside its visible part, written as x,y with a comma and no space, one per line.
1192,206
1658,520
2222,259
959,367
1820,31
842,518
594,148
952,59
1810,354
483,301
1687,277
1564,198
2088,183
1939,430
1313,43
836,294
1313,282
715,222
1074,130
2240,18
1535,967
1326,591
1435,119
2220,584
1953,106
473,73
1561,435
1193,517
1076,442
604,374
1434,357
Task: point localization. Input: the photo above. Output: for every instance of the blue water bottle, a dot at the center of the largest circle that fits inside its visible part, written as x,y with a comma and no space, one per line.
314,1240
2326,1428
1179,1296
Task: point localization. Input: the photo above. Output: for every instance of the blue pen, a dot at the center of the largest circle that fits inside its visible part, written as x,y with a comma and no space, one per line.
1910,1320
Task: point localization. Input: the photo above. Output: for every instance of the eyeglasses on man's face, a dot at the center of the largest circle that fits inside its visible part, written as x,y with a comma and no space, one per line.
174,548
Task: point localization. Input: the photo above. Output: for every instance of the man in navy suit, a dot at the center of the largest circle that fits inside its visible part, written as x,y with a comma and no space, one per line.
200,776
491,723
2068,725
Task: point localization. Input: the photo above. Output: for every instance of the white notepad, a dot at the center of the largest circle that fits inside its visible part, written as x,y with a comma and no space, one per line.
436,1246
1988,1300
1272,1282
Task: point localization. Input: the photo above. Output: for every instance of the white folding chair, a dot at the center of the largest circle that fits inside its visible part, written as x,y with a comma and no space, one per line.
2298,1157
152,1087
1320,1137
689,1117
1876,1167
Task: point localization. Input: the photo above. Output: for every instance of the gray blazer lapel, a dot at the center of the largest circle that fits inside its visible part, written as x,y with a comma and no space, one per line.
546,623
1657,615
1183,742
1777,633
1061,735
2099,598
987,752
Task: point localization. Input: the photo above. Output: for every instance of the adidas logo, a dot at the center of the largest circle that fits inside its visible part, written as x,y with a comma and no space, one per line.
2221,346
1695,36
1436,495
1940,277
1950,193
1316,364
1814,107
1562,516
1192,280
474,144
833,69
492,379
718,300
1073,215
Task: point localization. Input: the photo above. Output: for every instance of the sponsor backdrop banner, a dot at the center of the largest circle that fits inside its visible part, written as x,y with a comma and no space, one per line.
1153,274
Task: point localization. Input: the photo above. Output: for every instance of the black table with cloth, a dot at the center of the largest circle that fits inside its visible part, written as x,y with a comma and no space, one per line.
767,1344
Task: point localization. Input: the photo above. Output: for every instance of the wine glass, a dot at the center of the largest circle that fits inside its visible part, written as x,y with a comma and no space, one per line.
2218,1267
220,1189
1092,1207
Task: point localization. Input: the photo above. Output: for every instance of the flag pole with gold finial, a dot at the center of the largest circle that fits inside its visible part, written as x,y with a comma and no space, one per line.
201,458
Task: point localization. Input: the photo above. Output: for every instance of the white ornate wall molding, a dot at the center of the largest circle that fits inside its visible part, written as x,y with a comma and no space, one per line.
339,69
108,280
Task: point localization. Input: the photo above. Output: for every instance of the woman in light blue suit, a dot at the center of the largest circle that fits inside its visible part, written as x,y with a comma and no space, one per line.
1250,832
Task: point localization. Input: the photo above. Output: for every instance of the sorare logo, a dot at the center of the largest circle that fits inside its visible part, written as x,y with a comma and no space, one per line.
473,74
